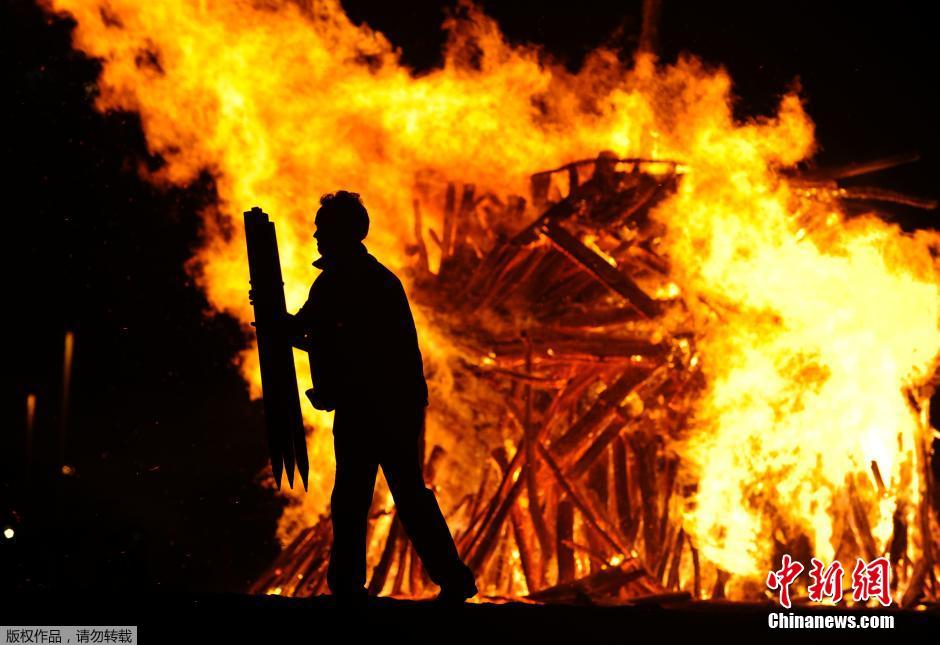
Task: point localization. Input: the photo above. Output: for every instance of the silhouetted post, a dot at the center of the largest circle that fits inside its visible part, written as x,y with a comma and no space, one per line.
649,32
30,423
286,439
532,487
67,355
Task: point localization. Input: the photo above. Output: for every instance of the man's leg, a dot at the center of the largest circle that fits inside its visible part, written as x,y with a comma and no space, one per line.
356,468
417,508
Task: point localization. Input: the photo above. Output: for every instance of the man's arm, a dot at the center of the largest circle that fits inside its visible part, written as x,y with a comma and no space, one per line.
292,325
308,330
297,327
407,338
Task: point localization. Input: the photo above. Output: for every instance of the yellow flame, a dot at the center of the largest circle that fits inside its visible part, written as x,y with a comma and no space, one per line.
807,333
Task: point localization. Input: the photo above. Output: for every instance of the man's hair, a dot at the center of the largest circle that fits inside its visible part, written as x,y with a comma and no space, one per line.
347,212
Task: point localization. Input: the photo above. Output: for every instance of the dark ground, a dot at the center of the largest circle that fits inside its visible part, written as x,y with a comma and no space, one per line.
162,436
203,617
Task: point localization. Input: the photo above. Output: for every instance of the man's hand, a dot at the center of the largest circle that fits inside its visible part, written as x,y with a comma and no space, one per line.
290,325
320,401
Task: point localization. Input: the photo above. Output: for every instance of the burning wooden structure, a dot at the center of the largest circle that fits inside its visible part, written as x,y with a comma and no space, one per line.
576,323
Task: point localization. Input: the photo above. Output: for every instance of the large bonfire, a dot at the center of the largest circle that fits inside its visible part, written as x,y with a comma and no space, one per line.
661,351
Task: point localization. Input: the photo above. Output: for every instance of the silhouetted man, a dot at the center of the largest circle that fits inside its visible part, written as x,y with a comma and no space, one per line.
365,363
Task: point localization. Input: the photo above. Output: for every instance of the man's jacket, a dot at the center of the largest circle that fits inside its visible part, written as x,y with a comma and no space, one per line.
360,334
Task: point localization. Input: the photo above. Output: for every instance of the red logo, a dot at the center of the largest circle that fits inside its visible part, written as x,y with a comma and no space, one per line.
869,580
781,580
872,580
826,582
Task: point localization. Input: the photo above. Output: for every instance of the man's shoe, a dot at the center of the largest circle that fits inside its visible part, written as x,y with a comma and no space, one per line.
456,594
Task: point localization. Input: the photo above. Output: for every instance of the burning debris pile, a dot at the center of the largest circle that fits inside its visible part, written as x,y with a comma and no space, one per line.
575,324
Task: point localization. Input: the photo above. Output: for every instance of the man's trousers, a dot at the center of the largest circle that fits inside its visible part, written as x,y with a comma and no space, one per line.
364,438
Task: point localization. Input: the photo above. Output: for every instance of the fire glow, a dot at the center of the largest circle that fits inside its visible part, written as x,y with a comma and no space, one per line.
816,333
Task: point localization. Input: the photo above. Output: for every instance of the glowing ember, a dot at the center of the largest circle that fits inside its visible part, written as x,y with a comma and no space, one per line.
816,334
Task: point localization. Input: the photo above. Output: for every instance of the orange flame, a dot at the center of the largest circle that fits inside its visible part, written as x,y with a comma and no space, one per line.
811,328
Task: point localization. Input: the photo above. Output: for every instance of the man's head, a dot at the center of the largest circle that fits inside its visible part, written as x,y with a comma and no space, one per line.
342,223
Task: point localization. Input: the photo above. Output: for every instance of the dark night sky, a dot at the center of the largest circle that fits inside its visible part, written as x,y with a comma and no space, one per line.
163,437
